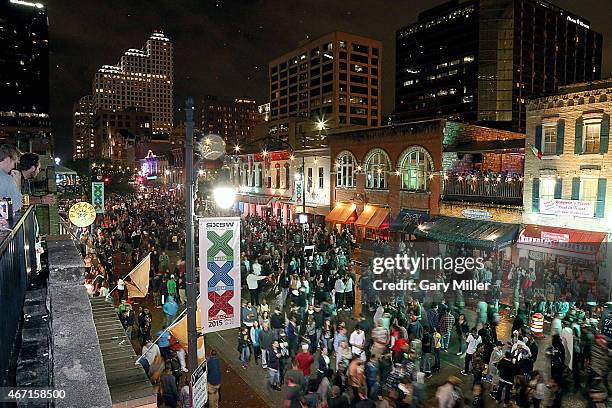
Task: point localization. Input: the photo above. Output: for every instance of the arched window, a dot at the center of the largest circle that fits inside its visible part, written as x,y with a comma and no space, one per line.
277,175
415,166
345,170
377,165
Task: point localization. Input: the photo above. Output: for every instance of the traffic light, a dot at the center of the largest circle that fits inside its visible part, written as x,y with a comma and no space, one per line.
106,179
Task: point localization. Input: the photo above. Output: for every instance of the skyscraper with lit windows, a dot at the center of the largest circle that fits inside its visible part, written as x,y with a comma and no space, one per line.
333,79
82,128
143,78
481,60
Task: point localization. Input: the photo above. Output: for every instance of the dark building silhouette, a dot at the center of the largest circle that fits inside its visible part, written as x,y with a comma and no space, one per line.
481,60
233,120
24,75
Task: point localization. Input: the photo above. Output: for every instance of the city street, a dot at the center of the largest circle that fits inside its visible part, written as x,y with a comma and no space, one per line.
395,204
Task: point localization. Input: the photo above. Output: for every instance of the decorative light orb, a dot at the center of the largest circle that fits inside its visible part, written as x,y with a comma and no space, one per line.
224,196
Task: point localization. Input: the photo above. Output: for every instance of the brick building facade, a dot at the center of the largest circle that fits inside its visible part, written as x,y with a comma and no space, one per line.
424,169
567,201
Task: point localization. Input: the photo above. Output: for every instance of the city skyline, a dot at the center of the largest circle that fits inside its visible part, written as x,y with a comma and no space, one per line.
241,39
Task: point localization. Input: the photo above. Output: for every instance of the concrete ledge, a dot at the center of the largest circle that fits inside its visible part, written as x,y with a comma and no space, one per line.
77,361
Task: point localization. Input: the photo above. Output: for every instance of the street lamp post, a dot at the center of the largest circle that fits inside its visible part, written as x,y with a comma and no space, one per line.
192,330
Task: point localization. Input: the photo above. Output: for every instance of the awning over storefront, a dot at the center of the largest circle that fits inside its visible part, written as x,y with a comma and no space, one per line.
484,234
365,216
562,241
407,220
253,199
373,217
320,210
380,219
342,213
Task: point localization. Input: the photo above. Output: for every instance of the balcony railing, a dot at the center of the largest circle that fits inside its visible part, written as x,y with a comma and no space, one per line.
17,265
491,190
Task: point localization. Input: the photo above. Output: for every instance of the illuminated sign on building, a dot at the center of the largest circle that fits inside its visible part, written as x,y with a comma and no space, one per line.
576,20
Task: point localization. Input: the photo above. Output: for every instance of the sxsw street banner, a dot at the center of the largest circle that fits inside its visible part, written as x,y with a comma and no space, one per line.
219,273
97,196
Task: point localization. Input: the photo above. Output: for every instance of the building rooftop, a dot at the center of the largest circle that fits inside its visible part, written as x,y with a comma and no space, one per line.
586,86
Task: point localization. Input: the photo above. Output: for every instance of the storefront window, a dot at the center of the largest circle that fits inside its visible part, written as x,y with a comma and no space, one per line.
415,167
345,176
277,176
588,190
376,168
547,191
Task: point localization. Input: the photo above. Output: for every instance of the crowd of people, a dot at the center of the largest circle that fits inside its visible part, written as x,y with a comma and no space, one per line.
305,341
131,228
298,325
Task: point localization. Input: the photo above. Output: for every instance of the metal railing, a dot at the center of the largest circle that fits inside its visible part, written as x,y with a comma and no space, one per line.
17,264
484,190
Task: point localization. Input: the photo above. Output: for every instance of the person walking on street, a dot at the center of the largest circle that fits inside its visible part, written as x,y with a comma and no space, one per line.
168,388
473,340
253,285
447,322
170,310
274,362
463,330
506,371
449,395
171,286
213,372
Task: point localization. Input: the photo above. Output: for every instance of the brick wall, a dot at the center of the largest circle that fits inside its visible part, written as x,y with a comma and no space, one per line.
394,140
455,133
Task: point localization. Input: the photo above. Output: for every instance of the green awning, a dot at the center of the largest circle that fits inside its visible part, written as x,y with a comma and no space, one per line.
477,233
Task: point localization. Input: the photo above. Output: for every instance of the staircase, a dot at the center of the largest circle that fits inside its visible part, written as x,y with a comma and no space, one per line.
127,382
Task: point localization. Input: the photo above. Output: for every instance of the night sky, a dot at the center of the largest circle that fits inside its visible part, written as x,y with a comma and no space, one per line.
222,47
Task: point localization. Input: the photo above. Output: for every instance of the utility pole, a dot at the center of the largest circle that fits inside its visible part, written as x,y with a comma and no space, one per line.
304,173
192,330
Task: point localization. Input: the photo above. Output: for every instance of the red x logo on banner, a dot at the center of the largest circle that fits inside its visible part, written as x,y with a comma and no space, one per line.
220,303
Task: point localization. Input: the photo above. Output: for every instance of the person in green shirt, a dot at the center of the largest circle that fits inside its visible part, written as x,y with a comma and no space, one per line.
164,262
171,285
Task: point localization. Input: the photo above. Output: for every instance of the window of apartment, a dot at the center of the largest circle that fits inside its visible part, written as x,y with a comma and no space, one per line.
549,138
345,170
592,132
287,174
309,179
468,58
321,178
360,48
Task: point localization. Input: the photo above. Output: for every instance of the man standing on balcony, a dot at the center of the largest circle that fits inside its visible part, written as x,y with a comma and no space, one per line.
27,170
9,156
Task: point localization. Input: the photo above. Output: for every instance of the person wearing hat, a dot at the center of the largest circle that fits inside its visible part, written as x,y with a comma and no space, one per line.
449,394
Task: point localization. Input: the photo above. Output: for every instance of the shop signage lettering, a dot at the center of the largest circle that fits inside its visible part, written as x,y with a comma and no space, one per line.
554,237
476,214
572,208
536,256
